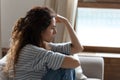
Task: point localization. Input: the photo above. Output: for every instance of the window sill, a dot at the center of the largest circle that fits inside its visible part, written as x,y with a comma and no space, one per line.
101,49
104,55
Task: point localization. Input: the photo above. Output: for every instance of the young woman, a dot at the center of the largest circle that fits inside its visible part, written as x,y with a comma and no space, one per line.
33,56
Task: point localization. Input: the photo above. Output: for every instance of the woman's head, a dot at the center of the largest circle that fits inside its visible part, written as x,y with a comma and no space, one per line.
34,24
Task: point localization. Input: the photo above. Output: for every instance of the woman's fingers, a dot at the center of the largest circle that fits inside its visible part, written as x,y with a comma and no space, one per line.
60,19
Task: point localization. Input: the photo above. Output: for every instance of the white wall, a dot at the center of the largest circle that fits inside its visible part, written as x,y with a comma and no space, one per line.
11,10
0,31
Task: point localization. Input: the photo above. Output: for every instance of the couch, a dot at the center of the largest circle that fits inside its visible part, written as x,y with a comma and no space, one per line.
93,67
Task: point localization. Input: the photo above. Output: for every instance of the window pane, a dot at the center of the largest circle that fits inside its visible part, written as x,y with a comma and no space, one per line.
98,27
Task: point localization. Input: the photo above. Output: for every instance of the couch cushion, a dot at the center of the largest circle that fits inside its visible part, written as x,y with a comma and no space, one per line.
2,74
79,71
89,79
92,79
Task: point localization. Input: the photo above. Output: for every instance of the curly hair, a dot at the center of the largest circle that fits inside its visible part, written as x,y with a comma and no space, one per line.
27,30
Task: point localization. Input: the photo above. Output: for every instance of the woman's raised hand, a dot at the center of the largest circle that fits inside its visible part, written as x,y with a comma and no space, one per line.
60,19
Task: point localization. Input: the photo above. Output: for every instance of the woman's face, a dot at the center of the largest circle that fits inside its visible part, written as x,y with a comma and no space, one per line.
50,32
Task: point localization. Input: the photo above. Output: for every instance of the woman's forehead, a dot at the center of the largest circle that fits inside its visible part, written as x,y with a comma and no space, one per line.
53,21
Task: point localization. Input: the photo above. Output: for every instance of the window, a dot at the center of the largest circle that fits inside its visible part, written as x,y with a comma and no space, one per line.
98,24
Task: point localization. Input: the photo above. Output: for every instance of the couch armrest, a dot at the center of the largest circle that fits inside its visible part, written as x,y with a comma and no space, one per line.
93,67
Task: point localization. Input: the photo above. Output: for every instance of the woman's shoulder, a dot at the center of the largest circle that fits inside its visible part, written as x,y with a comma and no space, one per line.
33,48
32,51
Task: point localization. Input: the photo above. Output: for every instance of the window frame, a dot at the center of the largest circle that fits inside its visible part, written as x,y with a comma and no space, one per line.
115,4
99,4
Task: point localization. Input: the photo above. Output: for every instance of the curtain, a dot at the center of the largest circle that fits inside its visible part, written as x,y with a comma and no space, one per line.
70,14
66,8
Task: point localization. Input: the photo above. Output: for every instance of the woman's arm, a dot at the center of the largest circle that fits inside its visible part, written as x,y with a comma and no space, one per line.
75,46
70,62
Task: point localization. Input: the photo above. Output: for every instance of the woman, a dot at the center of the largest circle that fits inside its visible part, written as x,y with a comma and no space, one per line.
32,56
